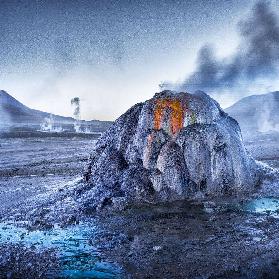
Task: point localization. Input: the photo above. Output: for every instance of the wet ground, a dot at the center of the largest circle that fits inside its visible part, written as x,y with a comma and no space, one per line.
220,239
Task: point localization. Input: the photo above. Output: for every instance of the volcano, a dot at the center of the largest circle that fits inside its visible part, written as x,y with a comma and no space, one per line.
171,147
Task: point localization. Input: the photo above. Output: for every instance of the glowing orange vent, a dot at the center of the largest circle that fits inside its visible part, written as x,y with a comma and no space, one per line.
176,117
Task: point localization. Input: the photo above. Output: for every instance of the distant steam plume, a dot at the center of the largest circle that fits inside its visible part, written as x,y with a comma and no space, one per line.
257,56
75,102
268,116
49,125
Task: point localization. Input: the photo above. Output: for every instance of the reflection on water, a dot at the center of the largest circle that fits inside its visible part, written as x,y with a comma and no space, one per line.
77,257
263,205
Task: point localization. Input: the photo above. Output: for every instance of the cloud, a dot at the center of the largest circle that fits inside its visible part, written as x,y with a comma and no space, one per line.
256,57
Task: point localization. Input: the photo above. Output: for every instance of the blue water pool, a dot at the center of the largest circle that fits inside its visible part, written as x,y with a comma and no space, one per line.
263,205
77,256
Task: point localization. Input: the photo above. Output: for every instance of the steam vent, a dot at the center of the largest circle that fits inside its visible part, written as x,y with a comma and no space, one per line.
173,146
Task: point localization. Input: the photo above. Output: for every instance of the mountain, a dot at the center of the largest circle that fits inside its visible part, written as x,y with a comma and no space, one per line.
257,113
15,114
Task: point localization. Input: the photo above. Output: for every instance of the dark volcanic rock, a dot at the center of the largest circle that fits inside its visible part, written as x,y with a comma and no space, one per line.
18,261
173,146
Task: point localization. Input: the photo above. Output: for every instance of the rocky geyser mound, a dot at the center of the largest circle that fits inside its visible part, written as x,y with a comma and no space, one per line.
173,146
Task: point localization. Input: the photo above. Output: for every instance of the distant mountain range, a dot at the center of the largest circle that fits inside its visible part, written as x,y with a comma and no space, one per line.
15,114
257,113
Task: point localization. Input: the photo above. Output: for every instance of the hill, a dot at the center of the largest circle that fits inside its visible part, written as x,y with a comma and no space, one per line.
257,114
14,114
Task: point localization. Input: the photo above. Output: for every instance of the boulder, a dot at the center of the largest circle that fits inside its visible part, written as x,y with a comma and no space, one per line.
173,146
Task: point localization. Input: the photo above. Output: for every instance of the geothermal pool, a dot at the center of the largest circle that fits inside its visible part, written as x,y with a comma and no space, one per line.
77,255
263,205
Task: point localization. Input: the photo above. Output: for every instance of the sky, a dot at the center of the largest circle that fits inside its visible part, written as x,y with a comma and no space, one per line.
113,54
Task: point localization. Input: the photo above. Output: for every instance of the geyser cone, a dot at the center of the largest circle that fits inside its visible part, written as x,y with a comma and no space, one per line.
173,146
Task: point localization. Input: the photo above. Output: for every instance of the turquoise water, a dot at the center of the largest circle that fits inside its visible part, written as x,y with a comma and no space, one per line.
263,205
77,257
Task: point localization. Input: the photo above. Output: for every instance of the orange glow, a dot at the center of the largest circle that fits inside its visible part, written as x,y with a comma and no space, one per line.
176,117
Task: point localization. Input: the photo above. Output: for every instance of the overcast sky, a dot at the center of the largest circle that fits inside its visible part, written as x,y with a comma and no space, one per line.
111,54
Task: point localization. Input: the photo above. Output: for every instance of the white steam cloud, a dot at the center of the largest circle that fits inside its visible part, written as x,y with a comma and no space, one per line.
75,102
255,62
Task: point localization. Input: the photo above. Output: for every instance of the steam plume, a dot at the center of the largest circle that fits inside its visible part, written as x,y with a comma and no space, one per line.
75,102
257,55
267,121
48,125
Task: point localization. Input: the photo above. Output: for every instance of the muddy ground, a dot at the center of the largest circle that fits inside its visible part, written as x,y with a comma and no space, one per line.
179,240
